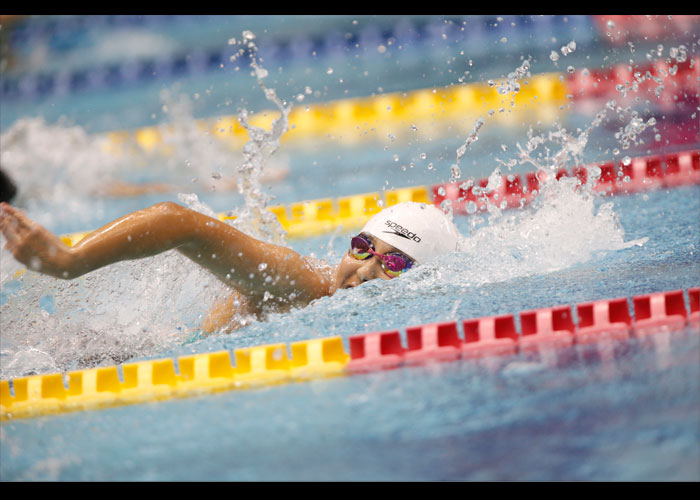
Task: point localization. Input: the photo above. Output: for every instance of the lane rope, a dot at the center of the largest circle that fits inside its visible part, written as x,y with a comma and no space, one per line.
542,97
315,217
541,332
480,33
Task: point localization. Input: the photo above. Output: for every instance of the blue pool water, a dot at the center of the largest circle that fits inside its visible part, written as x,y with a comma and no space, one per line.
634,416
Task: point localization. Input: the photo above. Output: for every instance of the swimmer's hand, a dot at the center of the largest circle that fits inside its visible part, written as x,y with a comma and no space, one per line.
33,245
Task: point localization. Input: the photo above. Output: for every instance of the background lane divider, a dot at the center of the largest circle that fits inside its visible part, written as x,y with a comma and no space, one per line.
349,118
544,331
353,118
312,218
642,174
446,33
676,78
360,118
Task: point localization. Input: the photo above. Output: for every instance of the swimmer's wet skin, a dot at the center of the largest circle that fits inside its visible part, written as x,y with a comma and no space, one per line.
393,241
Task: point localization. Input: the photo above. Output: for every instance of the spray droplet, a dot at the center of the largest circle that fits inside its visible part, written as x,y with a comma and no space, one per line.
568,48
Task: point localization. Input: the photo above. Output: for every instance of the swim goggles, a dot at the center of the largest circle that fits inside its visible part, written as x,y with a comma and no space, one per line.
393,264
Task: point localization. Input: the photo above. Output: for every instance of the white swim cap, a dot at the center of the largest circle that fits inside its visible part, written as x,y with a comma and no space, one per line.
420,231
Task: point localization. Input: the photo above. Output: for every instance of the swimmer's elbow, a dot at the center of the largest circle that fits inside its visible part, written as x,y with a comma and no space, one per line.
168,209
179,224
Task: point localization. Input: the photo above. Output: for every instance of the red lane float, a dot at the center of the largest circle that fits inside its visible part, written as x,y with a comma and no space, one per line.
672,81
553,327
378,350
619,28
489,336
694,303
544,330
665,310
641,174
603,319
682,168
437,341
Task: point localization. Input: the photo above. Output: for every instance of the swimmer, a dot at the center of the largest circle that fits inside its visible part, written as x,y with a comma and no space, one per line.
392,242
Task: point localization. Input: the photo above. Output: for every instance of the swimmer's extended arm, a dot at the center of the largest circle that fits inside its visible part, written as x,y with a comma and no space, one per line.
231,255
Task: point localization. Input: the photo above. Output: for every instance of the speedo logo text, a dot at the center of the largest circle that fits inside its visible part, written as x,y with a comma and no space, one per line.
399,230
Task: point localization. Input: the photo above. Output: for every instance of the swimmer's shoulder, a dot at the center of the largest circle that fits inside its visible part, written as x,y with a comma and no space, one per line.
321,268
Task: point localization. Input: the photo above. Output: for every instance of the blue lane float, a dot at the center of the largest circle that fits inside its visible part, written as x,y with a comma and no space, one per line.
479,33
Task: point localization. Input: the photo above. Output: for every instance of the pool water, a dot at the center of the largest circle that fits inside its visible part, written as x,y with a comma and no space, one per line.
581,416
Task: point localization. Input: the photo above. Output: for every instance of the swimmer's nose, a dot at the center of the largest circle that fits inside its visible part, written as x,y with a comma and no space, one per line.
356,280
368,271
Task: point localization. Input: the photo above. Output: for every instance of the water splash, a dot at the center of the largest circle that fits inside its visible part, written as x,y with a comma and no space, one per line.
254,218
565,225
63,165
193,154
562,228
101,318
509,85
56,165
471,138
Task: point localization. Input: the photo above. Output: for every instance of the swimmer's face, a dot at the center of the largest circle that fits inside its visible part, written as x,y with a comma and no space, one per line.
352,272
